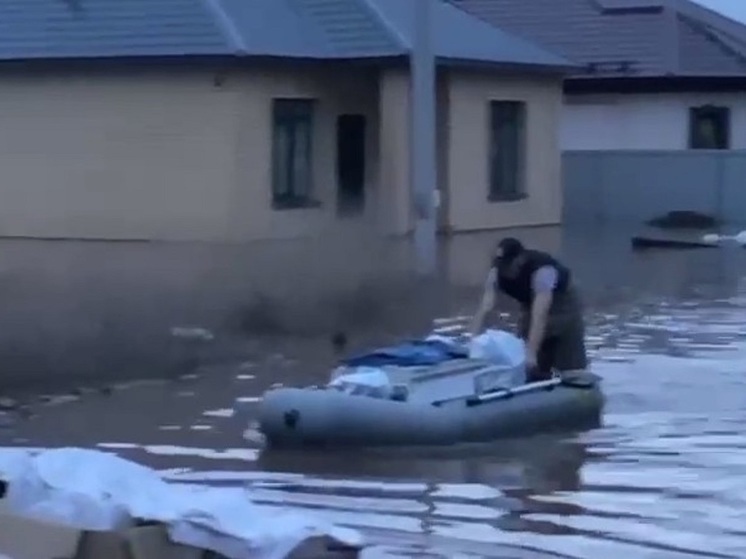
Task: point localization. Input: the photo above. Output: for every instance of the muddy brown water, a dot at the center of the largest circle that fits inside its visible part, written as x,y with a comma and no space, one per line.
663,478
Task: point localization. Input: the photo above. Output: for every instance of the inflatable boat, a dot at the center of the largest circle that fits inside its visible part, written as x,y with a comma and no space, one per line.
433,396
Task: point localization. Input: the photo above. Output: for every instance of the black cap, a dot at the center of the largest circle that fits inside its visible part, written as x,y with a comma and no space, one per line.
509,248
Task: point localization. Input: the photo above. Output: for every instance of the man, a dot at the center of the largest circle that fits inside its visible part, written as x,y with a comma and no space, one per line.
551,314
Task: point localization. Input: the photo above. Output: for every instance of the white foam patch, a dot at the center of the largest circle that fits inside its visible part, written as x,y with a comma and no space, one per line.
449,329
186,475
471,491
223,412
246,454
467,511
450,320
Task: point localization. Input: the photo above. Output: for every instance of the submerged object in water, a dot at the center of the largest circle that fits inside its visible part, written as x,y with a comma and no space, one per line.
684,219
641,243
709,240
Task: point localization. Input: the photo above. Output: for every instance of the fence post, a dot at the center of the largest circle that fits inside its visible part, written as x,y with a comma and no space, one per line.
600,178
720,186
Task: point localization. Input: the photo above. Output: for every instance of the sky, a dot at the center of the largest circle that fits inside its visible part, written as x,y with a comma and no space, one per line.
735,9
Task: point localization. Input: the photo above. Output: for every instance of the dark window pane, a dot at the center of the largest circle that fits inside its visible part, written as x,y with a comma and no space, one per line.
292,161
709,127
507,150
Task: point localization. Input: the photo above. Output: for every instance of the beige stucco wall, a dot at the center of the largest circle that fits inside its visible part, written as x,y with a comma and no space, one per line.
469,94
173,154
118,155
170,154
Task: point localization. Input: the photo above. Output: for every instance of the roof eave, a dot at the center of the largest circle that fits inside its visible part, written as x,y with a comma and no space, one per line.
508,66
655,84
655,76
23,62
192,59
199,59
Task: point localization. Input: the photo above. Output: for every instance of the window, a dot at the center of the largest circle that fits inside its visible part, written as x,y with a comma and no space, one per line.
507,151
351,130
709,127
292,168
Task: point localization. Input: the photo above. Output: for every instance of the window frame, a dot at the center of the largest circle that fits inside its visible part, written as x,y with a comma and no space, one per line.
496,191
295,117
722,116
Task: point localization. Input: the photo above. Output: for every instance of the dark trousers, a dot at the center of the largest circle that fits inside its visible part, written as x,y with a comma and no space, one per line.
563,346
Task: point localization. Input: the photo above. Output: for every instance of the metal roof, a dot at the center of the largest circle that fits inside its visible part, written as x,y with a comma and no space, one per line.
458,35
625,38
77,28
317,29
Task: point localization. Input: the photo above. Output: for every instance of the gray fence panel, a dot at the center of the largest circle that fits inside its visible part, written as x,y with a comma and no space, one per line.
583,197
633,186
733,192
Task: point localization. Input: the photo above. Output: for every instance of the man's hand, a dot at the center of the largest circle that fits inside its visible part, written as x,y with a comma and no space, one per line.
531,363
531,360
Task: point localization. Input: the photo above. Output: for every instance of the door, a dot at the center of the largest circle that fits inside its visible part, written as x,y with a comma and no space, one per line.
351,130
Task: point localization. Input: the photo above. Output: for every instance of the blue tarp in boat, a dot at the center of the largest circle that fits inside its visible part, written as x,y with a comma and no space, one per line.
417,353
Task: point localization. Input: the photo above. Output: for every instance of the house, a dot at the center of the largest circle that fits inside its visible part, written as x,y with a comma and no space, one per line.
655,74
237,120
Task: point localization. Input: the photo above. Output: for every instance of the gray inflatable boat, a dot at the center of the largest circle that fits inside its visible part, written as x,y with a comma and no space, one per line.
459,401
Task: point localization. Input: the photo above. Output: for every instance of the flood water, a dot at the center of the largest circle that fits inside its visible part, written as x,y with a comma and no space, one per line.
663,478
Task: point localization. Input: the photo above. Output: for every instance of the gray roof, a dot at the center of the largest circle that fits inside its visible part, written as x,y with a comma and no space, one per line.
317,29
458,35
625,38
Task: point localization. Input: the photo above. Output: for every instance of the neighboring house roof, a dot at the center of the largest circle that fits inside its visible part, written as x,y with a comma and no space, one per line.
460,36
625,38
316,29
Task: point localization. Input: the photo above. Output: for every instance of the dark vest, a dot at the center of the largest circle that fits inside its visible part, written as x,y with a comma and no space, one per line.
517,283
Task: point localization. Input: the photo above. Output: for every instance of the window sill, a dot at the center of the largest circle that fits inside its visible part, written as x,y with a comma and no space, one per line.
497,198
295,204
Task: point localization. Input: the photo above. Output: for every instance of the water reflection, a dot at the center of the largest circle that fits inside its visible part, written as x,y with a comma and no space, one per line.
528,464
662,479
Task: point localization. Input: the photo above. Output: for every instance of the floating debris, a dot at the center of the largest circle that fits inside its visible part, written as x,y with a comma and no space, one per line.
8,404
193,333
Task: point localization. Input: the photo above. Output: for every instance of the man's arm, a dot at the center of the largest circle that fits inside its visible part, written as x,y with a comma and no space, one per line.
543,282
486,304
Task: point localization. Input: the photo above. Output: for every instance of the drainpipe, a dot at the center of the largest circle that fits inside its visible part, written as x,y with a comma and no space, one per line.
422,138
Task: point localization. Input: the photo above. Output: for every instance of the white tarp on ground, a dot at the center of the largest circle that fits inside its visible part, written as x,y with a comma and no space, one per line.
94,490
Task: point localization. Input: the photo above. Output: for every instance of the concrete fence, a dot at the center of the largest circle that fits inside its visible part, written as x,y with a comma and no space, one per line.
633,186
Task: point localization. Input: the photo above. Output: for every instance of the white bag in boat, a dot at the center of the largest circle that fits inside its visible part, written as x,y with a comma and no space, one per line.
499,347
368,381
